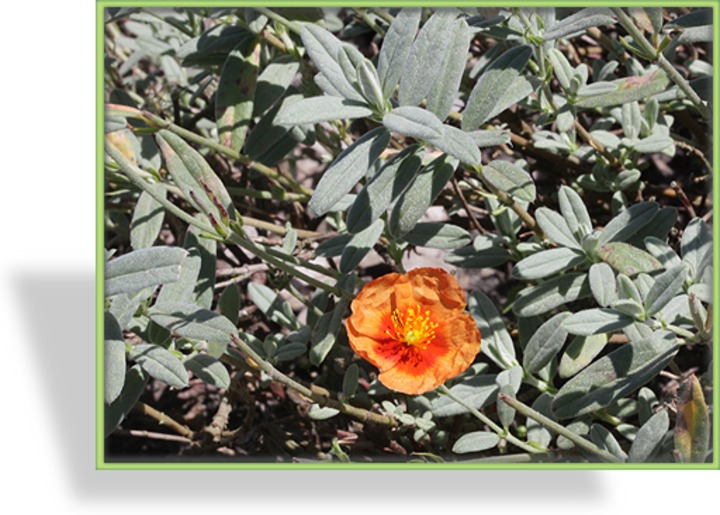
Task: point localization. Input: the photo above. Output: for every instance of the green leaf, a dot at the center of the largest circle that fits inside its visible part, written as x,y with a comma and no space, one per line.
236,93
545,344
413,122
423,65
272,305
602,284
426,187
487,97
496,341
551,294
556,228
536,432
114,359
323,48
649,438
133,387
475,442
444,89
200,185
627,259
658,227
578,22
347,169
396,47
615,375
143,268
573,210
438,235
509,382
359,246
269,142
160,364
547,262
325,332
321,109
596,321
317,412
350,380
662,252
695,245
666,286
272,83
605,440
209,369
622,91
191,321
692,429
581,351
229,302
477,392
197,277
469,257
511,179
290,351
458,144
561,67
147,221
489,138
384,188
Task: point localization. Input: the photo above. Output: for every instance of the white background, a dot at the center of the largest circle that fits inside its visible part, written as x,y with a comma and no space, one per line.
47,337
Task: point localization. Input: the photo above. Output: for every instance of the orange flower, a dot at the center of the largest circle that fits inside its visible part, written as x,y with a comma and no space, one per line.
413,327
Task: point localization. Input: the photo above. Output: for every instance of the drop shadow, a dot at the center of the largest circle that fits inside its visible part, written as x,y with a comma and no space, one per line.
59,314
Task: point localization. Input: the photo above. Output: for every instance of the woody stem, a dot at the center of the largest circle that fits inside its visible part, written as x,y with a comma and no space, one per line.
502,433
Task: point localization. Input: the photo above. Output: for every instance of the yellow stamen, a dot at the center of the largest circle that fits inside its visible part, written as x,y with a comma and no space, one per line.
415,328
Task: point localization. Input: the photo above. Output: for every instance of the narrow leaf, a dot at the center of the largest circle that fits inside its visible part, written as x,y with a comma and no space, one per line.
573,210
511,179
427,186
556,228
396,47
547,262
321,109
190,321
622,91
147,221
236,93
627,259
114,359
692,429
458,144
359,246
347,169
602,284
496,341
666,286
579,21
615,375
475,442
272,305
414,122
438,235
555,292
323,49
209,369
486,97
596,321
581,351
160,364
133,387
384,188
649,438
545,344
142,268
477,392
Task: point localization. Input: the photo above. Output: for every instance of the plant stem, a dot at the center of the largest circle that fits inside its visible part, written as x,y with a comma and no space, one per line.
578,440
486,420
317,395
370,22
278,18
163,419
662,61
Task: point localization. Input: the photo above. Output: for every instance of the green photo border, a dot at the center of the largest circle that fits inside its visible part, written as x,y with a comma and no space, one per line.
101,5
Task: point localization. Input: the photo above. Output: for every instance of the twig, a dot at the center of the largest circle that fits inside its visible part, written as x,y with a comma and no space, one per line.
486,420
164,419
661,61
152,435
469,212
316,394
578,440
684,199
